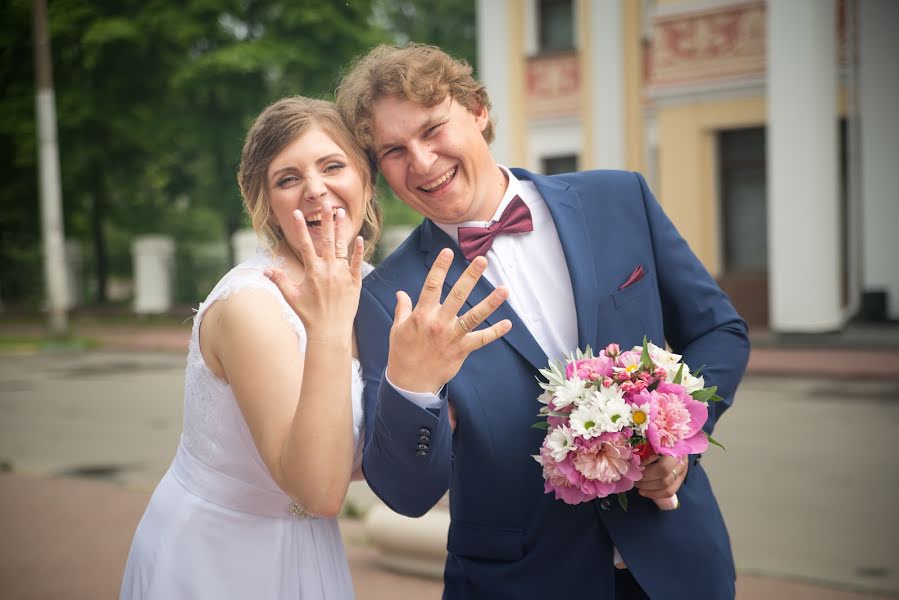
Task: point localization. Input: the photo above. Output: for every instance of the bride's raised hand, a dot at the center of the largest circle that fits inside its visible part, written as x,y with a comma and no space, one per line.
327,298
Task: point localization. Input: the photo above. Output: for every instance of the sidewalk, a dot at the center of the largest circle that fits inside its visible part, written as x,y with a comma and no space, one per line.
858,351
68,539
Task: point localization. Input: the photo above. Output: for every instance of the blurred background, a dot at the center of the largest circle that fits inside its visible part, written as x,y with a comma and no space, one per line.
766,129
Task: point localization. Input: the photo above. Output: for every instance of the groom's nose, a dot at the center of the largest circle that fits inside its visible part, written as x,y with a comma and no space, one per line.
421,158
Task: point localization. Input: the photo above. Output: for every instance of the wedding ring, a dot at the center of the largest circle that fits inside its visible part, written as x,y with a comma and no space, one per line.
463,325
674,472
342,255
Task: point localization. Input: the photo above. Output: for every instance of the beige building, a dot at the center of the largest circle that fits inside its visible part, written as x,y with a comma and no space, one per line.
768,131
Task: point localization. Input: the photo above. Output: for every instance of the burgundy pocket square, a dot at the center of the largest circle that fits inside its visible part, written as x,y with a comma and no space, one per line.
636,276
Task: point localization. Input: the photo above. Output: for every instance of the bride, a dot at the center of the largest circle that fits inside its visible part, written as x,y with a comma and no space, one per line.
272,402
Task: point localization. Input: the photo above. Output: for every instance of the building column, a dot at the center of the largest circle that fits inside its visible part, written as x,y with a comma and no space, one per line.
494,72
878,99
604,100
803,197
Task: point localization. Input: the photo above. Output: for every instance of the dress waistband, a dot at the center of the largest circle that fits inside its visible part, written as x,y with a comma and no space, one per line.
216,487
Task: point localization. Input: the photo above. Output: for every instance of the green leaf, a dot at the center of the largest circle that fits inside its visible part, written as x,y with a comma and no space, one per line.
705,394
680,374
714,441
541,425
622,500
652,386
645,360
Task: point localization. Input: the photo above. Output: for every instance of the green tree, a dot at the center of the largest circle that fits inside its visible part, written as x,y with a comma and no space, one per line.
153,101
449,24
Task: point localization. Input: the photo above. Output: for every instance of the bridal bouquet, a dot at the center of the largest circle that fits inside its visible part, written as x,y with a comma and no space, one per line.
606,414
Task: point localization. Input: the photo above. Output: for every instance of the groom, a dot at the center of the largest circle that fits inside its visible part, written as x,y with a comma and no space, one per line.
583,258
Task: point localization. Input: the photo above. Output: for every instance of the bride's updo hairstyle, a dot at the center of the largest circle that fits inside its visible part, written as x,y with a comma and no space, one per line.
275,129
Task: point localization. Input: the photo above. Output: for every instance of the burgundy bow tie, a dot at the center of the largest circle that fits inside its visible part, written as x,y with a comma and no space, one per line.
476,241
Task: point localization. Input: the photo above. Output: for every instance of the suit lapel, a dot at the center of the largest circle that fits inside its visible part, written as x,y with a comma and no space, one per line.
433,240
567,210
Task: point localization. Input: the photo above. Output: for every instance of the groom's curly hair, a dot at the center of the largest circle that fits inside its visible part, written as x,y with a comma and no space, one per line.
423,74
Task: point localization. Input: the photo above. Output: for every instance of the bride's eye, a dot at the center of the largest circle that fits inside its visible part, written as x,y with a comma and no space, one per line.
334,167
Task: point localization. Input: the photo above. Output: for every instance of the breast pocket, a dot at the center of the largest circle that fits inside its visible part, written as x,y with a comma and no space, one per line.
625,316
622,297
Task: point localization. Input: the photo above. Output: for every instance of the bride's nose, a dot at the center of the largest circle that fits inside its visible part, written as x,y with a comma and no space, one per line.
315,190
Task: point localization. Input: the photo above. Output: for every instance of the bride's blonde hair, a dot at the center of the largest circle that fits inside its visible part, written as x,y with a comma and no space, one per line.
277,127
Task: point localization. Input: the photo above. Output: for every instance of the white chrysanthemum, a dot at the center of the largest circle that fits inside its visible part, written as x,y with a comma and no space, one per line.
586,421
545,397
572,391
640,418
560,441
603,395
616,414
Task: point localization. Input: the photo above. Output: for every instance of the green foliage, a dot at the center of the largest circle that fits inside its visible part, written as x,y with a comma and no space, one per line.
449,24
153,100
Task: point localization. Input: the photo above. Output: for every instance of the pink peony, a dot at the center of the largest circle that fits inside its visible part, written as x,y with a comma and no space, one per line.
597,468
675,422
561,478
607,463
589,369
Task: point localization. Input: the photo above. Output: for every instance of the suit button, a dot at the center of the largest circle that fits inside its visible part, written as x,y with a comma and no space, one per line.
424,439
422,453
424,431
605,504
421,447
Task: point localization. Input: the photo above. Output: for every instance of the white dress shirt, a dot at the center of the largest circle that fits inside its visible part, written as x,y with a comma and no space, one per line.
532,267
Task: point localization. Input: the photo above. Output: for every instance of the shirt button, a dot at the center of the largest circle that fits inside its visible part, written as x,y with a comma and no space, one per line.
605,504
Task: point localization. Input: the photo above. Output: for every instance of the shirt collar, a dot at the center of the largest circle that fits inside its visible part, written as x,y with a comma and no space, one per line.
512,189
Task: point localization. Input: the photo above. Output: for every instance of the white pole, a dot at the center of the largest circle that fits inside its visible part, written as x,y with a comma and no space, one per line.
49,184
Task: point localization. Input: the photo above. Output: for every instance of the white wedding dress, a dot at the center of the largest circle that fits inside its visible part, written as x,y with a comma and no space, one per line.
218,526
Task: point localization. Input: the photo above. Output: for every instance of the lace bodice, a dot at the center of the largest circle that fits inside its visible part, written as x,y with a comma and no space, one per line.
214,429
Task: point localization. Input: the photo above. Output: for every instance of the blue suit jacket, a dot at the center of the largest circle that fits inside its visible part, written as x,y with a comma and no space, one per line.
507,538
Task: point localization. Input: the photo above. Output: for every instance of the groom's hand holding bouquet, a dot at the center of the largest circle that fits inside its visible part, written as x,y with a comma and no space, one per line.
609,416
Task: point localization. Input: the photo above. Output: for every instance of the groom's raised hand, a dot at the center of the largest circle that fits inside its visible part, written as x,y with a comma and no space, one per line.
429,343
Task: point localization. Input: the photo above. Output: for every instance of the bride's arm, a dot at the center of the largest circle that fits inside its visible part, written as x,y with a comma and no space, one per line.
297,406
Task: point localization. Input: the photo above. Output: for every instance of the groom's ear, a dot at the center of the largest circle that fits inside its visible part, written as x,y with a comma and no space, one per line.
481,116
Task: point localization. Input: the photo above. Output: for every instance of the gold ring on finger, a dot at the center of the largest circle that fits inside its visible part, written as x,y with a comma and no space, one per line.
674,472
342,255
462,324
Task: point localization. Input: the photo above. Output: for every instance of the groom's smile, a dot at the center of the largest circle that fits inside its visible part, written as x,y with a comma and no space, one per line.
440,183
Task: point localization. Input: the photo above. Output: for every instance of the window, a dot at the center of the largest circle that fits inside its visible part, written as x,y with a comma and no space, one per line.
556,25
744,199
553,165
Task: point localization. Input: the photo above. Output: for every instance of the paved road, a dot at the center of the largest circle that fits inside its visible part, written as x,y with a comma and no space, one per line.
808,484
